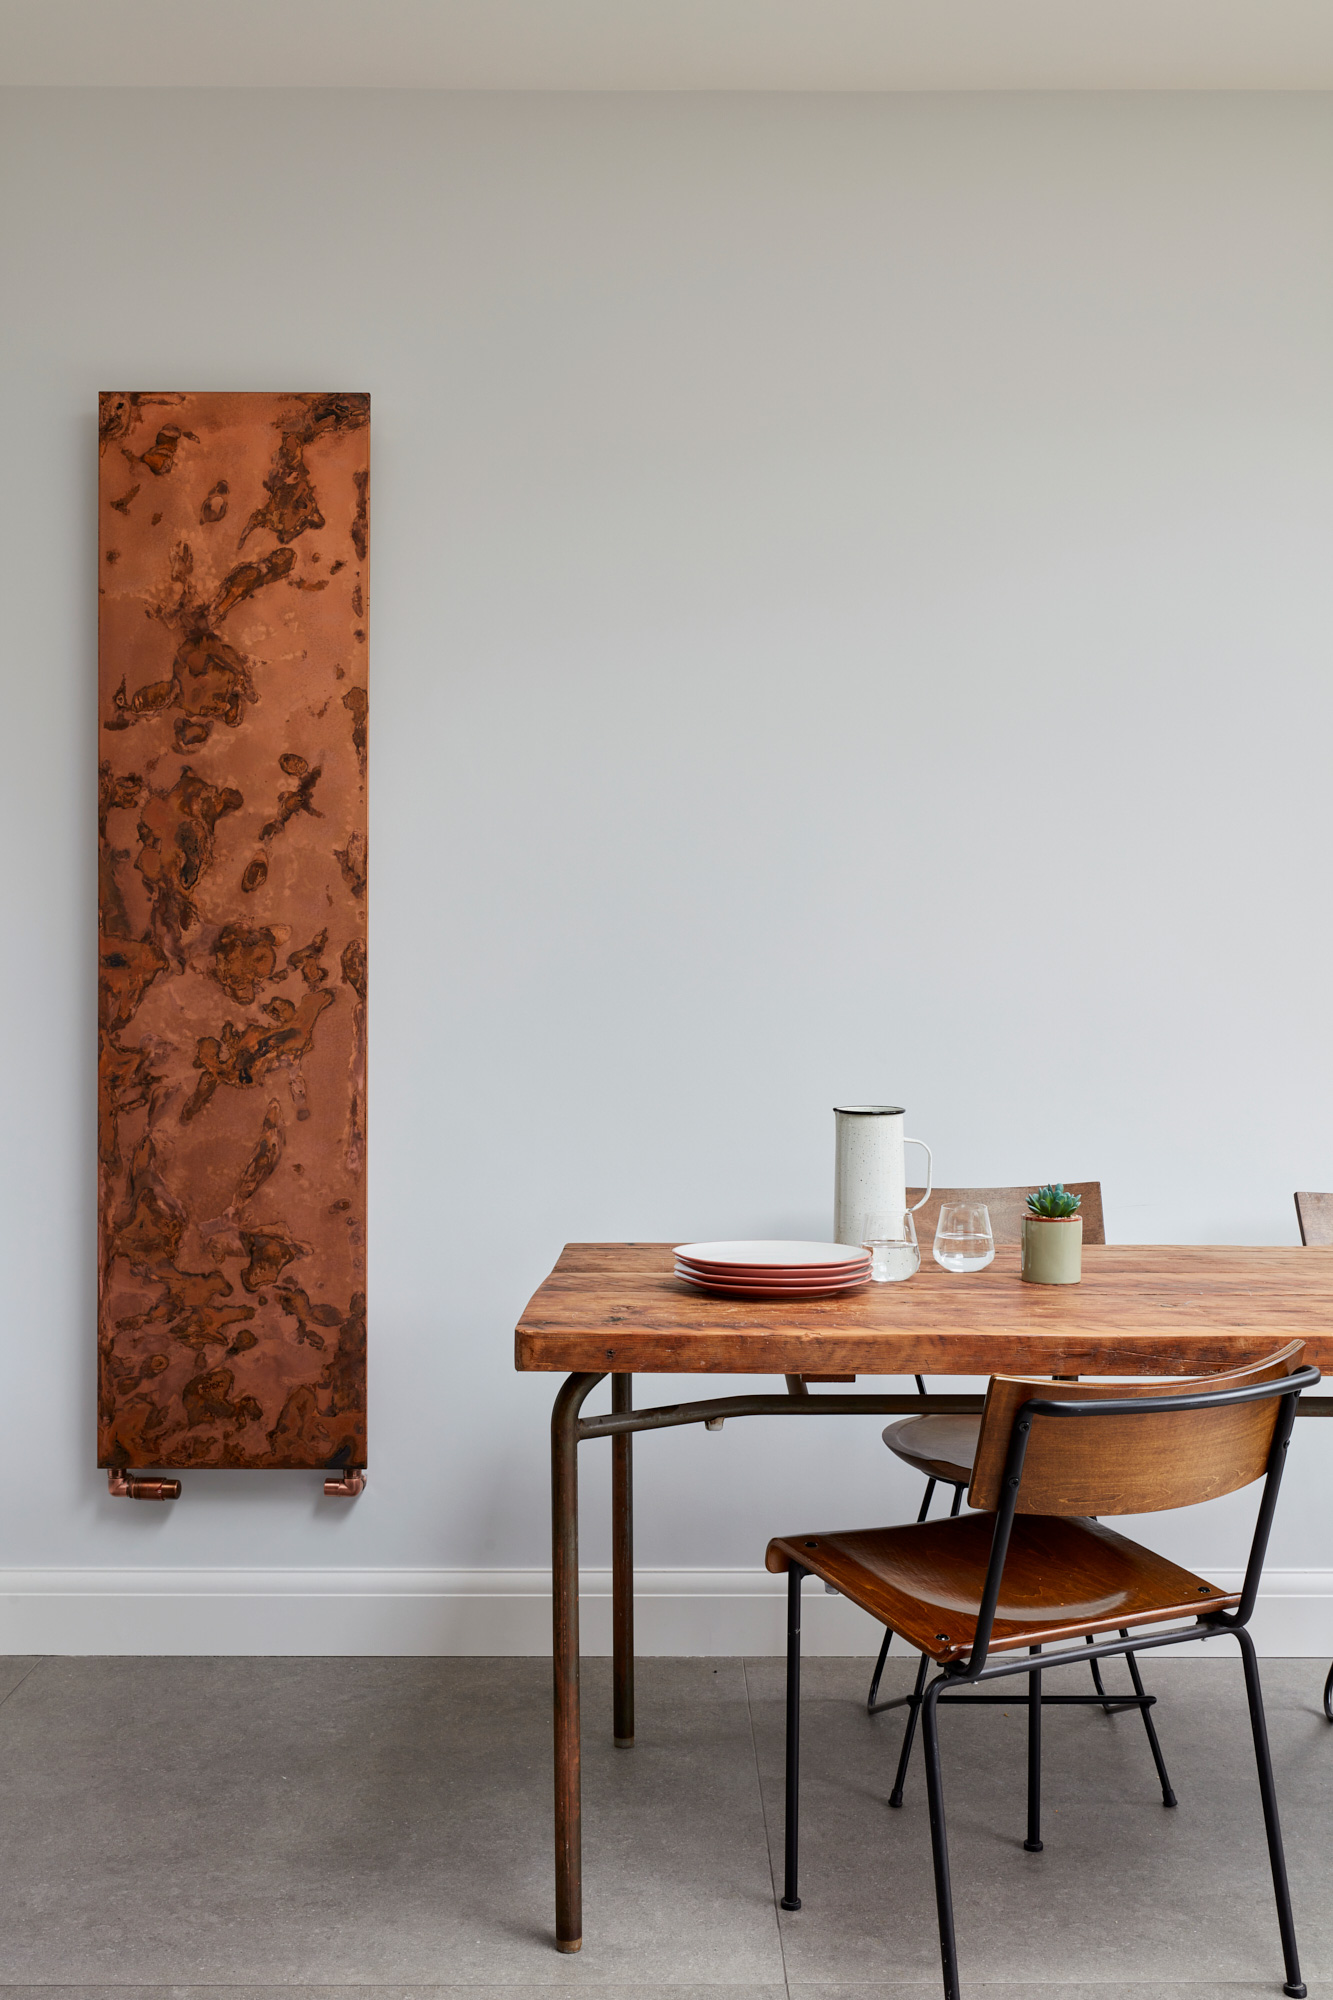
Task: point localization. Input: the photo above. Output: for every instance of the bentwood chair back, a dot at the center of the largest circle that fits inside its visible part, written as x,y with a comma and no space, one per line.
1314,1214
1128,1465
981,1594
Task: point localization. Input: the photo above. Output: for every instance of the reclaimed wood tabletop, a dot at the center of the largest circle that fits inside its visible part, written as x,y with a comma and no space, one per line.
1140,1309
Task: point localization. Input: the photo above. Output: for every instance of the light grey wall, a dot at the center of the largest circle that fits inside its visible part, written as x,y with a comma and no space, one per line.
851,618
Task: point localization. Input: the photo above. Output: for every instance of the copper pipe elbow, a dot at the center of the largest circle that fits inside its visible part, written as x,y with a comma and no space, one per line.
347,1485
124,1485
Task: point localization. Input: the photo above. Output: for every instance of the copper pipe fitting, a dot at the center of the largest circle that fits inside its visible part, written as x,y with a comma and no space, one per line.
124,1485
352,1482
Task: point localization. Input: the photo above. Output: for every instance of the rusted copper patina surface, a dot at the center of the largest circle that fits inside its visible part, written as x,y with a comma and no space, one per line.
232,1098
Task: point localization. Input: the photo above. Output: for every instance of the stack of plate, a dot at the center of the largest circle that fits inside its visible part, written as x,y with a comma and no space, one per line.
749,1270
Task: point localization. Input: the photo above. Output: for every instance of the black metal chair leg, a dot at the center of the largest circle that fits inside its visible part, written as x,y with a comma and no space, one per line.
1328,1695
1107,1705
791,1829
939,1844
1033,1843
1168,1796
1272,1825
925,1504
879,1668
958,1493
909,1731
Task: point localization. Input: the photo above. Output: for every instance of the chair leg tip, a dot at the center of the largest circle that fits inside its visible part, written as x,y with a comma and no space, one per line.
896,1801
1296,1988
794,1903
1033,1846
1169,1799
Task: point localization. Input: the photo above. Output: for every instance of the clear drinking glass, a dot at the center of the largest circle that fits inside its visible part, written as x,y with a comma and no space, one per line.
963,1240
894,1252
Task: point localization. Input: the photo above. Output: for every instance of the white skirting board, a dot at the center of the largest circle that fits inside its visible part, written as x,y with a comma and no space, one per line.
711,1612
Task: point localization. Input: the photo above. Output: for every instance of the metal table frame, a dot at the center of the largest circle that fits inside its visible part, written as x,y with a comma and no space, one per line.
568,1431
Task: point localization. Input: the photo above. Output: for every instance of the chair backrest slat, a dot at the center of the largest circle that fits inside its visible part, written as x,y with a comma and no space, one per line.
1129,1465
1314,1213
1008,1206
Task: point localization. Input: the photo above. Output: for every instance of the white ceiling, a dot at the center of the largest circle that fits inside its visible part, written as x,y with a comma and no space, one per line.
675,44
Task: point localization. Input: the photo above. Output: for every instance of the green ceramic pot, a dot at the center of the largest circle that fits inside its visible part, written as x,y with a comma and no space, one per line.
1052,1249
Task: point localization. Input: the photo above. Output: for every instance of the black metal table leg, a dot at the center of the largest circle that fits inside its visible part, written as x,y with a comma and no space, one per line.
622,1566
565,1658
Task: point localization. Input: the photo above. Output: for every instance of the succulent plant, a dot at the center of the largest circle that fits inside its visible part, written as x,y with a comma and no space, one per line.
1054,1202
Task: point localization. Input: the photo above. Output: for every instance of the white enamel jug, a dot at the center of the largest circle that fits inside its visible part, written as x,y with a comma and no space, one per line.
870,1173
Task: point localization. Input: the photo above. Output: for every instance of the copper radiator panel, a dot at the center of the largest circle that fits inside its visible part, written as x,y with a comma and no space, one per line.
232,567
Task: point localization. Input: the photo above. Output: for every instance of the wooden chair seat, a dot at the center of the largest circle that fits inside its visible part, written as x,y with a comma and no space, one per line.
937,1447
925,1580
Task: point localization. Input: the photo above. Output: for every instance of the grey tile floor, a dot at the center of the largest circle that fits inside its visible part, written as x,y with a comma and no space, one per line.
194,1829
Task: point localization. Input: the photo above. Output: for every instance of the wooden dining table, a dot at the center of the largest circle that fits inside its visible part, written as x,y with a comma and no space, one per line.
617,1309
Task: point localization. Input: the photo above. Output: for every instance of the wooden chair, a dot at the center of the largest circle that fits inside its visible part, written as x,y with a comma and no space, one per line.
981,1594
1314,1217
942,1448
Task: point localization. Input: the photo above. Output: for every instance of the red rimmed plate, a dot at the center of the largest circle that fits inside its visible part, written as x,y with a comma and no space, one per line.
783,1284
796,1275
757,1288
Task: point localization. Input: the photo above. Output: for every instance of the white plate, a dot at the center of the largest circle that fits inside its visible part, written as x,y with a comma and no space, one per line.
770,1256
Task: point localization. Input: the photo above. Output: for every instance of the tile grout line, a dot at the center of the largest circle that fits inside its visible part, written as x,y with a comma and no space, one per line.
763,1815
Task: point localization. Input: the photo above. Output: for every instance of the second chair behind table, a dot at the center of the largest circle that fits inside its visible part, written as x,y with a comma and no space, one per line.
941,1449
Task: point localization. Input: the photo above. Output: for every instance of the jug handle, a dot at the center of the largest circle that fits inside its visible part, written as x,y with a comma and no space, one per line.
930,1173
